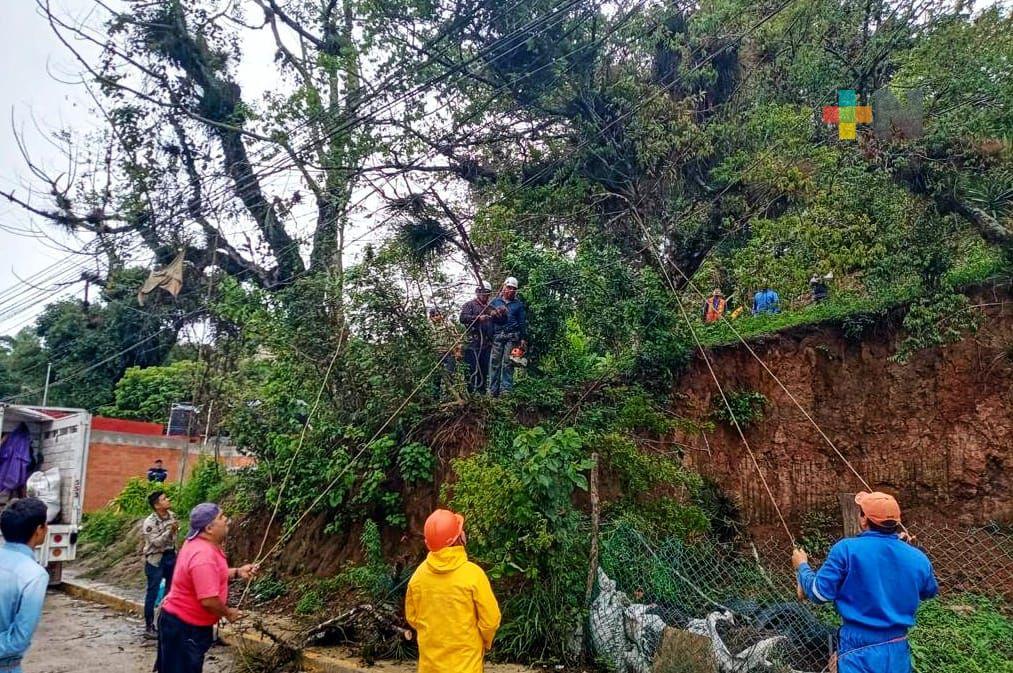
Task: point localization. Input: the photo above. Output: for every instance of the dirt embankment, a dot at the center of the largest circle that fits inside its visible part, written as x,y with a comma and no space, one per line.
937,431
312,551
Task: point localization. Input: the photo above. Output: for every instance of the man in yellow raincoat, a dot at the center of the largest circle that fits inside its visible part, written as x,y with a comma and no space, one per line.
450,603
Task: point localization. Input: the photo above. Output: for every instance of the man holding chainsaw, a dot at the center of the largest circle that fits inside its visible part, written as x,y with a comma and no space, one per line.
508,341
876,581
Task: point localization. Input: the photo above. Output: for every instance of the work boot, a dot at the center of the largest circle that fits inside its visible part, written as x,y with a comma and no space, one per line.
150,633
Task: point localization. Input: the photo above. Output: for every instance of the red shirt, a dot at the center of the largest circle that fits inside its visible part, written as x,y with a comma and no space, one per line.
201,572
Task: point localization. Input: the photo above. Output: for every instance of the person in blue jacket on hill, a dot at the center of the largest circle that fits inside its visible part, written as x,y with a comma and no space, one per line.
766,301
876,581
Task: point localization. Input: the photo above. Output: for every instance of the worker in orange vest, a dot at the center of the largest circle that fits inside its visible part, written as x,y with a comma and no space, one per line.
714,306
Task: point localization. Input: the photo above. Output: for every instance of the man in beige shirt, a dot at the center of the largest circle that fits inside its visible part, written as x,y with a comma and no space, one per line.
159,531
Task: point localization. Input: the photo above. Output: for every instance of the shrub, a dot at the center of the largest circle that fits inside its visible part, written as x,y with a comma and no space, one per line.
104,527
310,603
266,588
133,499
747,406
374,576
416,462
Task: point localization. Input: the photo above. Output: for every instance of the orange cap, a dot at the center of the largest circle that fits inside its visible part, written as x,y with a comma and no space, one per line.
442,528
878,507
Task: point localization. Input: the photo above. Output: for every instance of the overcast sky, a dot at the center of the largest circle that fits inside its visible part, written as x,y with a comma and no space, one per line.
28,91
31,92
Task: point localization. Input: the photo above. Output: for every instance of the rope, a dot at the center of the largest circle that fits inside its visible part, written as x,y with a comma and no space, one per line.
798,404
261,555
298,449
721,391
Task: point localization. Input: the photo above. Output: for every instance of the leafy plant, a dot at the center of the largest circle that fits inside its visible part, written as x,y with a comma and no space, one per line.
266,588
309,603
133,499
818,531
374,576
745,406
550,468
104,527
416,462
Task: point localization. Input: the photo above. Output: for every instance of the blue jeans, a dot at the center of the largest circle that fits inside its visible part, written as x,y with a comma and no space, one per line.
501,369
155,575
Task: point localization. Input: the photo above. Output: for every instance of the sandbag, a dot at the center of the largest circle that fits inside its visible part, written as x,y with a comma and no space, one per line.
753,657
608,635
46,487
643,631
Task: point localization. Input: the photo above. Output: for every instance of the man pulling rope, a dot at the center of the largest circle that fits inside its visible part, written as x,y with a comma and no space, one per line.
876,581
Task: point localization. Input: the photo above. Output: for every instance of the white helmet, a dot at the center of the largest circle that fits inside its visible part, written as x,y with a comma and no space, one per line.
510,282
485,287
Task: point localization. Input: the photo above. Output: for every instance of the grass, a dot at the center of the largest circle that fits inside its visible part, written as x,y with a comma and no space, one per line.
852,309
963,634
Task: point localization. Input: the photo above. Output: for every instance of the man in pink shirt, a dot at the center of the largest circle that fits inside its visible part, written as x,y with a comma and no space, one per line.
200,590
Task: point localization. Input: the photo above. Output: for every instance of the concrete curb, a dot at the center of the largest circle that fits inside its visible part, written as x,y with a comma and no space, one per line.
107,599
312,661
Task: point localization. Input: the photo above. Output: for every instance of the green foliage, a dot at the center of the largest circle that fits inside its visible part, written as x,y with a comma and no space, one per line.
550,468
104,527
208,482
23,361
265,588
653,145
148,394
818,531
416,462
936,320
133,499
963,634
744,406
374,577
91,345
640,471
310,602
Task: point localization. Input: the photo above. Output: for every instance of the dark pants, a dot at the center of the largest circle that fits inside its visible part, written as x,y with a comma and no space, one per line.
477,360
155,575
181,646
445,377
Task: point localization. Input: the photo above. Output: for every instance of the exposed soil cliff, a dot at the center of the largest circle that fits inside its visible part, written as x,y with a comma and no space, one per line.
937,431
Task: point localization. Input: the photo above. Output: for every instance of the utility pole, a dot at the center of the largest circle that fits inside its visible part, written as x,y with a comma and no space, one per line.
45,390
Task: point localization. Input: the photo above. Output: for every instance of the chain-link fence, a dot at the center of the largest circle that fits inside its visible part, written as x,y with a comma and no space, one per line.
664,606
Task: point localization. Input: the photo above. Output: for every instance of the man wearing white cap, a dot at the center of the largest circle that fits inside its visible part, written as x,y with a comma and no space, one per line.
510,322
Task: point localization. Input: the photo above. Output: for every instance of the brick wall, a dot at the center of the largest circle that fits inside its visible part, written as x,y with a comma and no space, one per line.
115,457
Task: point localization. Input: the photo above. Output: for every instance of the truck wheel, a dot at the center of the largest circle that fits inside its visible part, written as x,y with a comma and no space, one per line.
55,570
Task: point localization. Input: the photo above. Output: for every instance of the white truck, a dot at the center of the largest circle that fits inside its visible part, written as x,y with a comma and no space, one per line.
60,437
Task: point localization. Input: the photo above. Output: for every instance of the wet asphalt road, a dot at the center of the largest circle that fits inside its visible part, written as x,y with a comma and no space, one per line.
80,637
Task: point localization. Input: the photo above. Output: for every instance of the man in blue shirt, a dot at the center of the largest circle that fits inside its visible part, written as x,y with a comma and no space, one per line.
157,472
22,580
876,581
766,301
510,330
